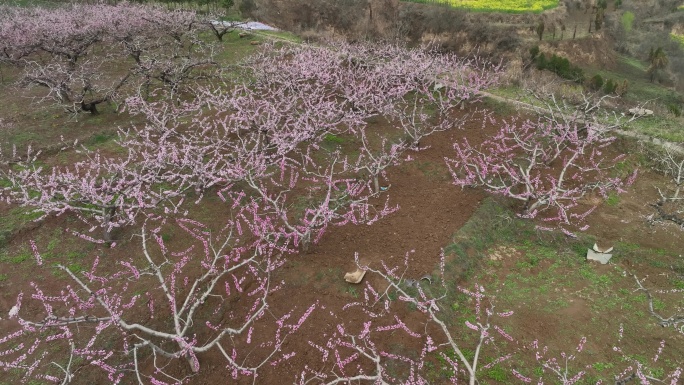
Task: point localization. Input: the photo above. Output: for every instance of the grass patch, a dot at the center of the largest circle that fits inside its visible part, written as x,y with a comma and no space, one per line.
332,142
16,258
498,107
31,3
666,127
280,35
627,21
497,373
100,138
14,220
75,268
613,199
236,48
546,270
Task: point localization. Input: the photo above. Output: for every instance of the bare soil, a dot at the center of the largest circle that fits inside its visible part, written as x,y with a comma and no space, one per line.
431,211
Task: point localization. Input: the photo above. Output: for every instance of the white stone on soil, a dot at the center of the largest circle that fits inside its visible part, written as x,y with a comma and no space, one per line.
600,257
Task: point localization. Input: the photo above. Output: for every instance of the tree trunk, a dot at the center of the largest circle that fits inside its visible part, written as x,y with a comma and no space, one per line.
668,216
109,214
305,242
527,205
90,107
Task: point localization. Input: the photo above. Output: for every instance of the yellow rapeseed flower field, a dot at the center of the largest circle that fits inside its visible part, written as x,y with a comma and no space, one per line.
514,6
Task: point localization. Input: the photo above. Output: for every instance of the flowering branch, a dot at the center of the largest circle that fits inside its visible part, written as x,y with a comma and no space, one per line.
350,354
547,165
233,285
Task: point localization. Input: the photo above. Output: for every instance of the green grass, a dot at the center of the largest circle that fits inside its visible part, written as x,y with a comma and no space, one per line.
627,21
76,268
550,272
613,199
497,373
666,128
14,220
353,292
678,284
101,138
498,107
236,49
332,142
17,257
640,88
507,6
280,35
24,138
662,126
30,3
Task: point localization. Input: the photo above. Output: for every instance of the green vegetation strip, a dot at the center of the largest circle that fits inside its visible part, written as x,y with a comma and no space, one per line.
524,266
508,6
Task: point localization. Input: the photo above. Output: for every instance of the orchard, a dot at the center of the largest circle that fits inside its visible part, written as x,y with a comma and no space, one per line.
213,226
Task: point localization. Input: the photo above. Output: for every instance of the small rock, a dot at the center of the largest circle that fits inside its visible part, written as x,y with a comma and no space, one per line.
355,277
603,248
600,257
640,112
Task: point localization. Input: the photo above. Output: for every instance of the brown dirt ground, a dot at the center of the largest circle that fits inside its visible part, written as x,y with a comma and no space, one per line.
432,210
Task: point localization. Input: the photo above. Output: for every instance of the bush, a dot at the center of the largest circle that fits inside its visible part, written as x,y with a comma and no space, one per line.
622,88
596,82
610,86
247,8
674,109
561,67
534,51
627,21
541,62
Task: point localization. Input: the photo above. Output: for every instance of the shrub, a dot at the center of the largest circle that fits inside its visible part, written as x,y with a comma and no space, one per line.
674,109
534,51
622,88
562,67
596,82
247,7
540,30
541,62
627,21
610,86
